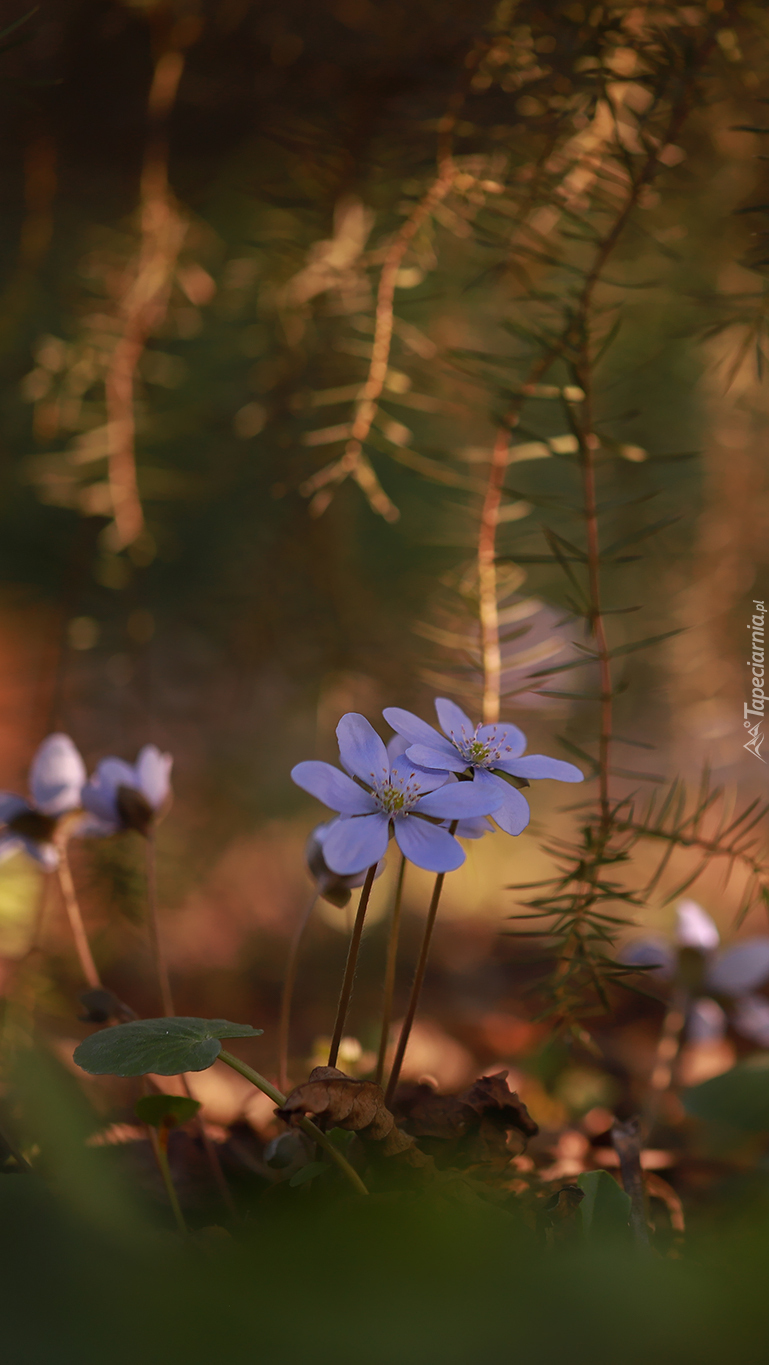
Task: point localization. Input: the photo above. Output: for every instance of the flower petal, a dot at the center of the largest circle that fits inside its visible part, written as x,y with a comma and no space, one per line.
706,1021
416,731
437,758
740,968
695,928
513,814
473,829
396,747
751,1018
57,776
11,805
99,795
405,774
427,845
539,765
453,719
361,750
9,845
461,800
356,843
507,737
334,789
153,770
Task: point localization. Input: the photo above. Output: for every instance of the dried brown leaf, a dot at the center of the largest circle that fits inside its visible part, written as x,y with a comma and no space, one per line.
342,1102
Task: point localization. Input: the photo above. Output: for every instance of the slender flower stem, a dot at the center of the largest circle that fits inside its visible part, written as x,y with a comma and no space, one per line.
82,946
286,1000
389,980
352,962
311,1129
161,968
161,1156
416,989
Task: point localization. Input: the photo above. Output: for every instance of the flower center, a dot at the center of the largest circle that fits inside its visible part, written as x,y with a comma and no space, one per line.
397,796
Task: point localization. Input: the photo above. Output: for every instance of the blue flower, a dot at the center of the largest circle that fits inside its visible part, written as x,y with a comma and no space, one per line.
56,779
122,795
389,796
486,750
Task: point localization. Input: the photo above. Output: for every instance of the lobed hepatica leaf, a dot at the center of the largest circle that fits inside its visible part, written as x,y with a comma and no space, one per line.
166,1047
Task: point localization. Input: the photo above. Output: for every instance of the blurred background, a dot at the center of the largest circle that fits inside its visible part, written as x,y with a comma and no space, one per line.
203,196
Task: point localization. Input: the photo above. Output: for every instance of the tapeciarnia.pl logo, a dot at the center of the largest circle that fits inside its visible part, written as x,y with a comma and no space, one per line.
757,704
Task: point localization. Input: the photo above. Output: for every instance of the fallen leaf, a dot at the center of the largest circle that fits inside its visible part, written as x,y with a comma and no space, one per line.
473,1124
342,1102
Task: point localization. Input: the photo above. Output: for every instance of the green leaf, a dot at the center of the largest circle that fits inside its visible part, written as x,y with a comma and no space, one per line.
309,1172
165,1111
605,1210
164,1046
739,1097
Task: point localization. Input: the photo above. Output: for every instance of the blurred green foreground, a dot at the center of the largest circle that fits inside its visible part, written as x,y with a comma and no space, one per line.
91,1274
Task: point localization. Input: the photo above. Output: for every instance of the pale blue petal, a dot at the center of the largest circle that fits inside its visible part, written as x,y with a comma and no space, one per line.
655,953
740,969
92,827
447,762
361,750
473,829
453,719
751,1018
47,855
427,845
507,738
513,815
539,765
57,776
405,775
12,805
153,771
461,800
396,747
333,788
9,845
356,843
99,795
413,729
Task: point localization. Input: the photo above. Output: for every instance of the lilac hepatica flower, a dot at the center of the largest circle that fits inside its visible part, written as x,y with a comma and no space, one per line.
56,779
732,974
122,795
488,751
395,797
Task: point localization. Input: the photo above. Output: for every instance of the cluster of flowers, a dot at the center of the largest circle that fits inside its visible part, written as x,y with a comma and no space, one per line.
117,796
721,986
423,788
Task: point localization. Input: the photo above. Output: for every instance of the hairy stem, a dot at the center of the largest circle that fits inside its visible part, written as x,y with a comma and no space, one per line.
389,978
311,1129
74,915
352,962
286,1000
416,988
